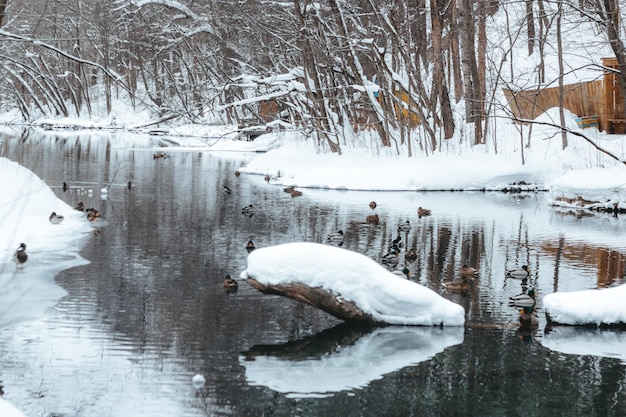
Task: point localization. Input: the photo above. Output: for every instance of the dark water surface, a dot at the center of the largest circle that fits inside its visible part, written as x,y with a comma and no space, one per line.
149,311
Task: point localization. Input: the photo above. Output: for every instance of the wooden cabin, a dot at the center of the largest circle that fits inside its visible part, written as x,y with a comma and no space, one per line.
597,103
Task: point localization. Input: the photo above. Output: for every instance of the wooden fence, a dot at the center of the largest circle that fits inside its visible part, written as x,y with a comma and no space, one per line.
600,98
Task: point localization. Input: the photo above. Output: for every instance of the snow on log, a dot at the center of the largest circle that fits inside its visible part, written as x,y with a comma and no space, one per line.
348,285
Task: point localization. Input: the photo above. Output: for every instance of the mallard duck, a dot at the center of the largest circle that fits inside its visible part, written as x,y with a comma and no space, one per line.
372,218
20,257
397,244
250,246
267,178
468,270
92,214
159,155
524,300
65,187
404,227
289,190
411,255
55,218
80,206
237,173
422,212
520,273
528,318
335,238
230,283
391,258
372,205
296,193
248,210
226,190
457,285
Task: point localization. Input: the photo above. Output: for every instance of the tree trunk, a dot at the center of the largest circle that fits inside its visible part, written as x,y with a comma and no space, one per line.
318,298
559,44
3,8
440,89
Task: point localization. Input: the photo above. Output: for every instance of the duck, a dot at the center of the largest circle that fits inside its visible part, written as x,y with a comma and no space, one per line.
404,227
20,257
373,205
372,218
237,173
226,190
130,185
411,255
65,187
397,244
55,218
520,273
250,246
159,155
80,206
524,300
468,270
92,214
248,210
267,178
335,238
289,190
457,285
422,212
295,193
391,258
528,318
230,284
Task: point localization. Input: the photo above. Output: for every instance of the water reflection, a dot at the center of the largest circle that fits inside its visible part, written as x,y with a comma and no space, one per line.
149,311
343,358
609,343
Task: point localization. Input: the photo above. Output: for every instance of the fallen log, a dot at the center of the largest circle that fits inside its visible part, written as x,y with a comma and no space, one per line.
318,298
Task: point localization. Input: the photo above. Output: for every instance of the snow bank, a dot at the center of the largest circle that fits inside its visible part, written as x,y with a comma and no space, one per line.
26,203
589,307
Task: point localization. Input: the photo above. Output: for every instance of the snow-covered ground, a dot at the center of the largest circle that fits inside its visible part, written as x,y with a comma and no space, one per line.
26,203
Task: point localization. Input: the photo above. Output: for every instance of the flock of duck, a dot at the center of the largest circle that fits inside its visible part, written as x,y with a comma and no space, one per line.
20,256
526,300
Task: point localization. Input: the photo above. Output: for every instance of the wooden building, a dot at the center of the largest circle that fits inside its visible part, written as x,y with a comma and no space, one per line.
597,103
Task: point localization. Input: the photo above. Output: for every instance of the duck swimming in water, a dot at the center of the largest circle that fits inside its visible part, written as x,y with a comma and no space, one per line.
230,284
250,246
524,300
468,270
422,212
528,318
335,238
519,273
248,210
404,227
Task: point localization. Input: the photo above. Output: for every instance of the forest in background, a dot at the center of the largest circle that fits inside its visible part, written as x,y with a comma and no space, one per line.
332,68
